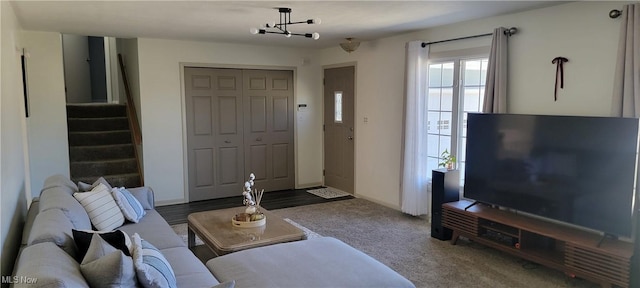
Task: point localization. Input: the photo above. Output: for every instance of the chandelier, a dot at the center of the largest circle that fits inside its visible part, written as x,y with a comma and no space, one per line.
350,46
281,28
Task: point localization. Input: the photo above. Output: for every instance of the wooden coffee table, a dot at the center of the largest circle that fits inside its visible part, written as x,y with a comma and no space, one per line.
215,229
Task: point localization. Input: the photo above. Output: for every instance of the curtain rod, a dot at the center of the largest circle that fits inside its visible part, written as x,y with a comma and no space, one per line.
615,13
508,32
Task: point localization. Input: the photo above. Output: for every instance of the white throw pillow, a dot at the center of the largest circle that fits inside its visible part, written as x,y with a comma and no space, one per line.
129,205
152,269
103,211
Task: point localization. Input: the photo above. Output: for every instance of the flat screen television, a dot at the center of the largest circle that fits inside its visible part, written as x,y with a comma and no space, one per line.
578,170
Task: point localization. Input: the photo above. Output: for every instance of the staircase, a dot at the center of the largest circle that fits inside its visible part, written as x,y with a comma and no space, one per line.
101,144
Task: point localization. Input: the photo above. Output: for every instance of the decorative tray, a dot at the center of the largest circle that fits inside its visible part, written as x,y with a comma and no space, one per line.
250,224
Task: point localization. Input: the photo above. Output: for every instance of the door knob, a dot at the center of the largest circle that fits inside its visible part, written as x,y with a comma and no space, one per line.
227,141
350,137
259,139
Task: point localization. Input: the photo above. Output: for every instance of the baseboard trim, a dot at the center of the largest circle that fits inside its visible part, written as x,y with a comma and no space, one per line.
309,185
170,202
389,205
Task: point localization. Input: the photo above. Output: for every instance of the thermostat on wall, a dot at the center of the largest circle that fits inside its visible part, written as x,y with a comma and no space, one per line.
302,107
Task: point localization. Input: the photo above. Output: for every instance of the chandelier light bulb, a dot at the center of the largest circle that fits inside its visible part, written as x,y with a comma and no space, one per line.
282,28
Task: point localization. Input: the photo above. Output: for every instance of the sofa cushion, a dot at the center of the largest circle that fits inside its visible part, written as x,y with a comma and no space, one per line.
102,257
56,198
31,217
153,228
53,226
226,284
84,187
50,265
144,195
102,209
318,262
129,205
188,268
152,268
60,181
117,239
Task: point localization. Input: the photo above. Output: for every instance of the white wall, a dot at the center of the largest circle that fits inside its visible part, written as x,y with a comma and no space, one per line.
12,146
47,122
161,95
582,32
76,68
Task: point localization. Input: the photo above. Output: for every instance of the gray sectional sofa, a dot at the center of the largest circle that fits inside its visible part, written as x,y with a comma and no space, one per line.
48,252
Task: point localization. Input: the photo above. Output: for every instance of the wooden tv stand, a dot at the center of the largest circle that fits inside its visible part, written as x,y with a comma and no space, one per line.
560,247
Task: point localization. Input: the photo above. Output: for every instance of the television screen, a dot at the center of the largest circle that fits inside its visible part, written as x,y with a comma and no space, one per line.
579,170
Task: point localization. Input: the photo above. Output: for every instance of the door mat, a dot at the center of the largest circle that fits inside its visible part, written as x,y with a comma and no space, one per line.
328,193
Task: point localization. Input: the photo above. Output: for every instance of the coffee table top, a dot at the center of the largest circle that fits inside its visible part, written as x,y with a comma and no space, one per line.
214,229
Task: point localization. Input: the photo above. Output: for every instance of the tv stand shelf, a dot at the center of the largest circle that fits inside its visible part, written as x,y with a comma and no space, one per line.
574,251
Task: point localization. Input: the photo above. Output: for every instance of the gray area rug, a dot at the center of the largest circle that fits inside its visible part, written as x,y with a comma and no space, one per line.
181,230
403,243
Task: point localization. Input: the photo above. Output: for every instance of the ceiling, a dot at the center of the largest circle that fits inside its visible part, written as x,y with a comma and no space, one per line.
230,21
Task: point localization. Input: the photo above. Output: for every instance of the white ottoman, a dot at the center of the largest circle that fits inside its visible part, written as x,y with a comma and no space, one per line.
318,262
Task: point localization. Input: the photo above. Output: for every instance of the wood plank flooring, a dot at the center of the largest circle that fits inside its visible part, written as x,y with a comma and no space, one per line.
176,214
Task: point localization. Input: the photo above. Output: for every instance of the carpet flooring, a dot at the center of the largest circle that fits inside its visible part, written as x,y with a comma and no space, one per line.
403,243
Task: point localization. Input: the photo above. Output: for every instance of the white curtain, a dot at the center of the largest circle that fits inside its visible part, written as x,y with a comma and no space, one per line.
626,87
414,185
495,92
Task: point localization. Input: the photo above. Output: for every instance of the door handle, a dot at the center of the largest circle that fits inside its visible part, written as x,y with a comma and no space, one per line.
227,141
350,137
259,139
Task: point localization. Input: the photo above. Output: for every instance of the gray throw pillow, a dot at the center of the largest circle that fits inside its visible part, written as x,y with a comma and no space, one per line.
106,266
84,187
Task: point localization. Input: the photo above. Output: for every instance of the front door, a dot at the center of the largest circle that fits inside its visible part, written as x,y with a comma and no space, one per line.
214,132
339,128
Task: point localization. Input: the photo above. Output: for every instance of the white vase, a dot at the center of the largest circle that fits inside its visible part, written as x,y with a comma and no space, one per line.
250,209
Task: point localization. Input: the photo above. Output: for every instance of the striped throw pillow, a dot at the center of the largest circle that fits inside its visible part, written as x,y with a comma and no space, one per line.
152,268
102,209
129,205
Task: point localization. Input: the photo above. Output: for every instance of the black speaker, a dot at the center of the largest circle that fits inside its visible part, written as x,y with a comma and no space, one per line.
445,188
